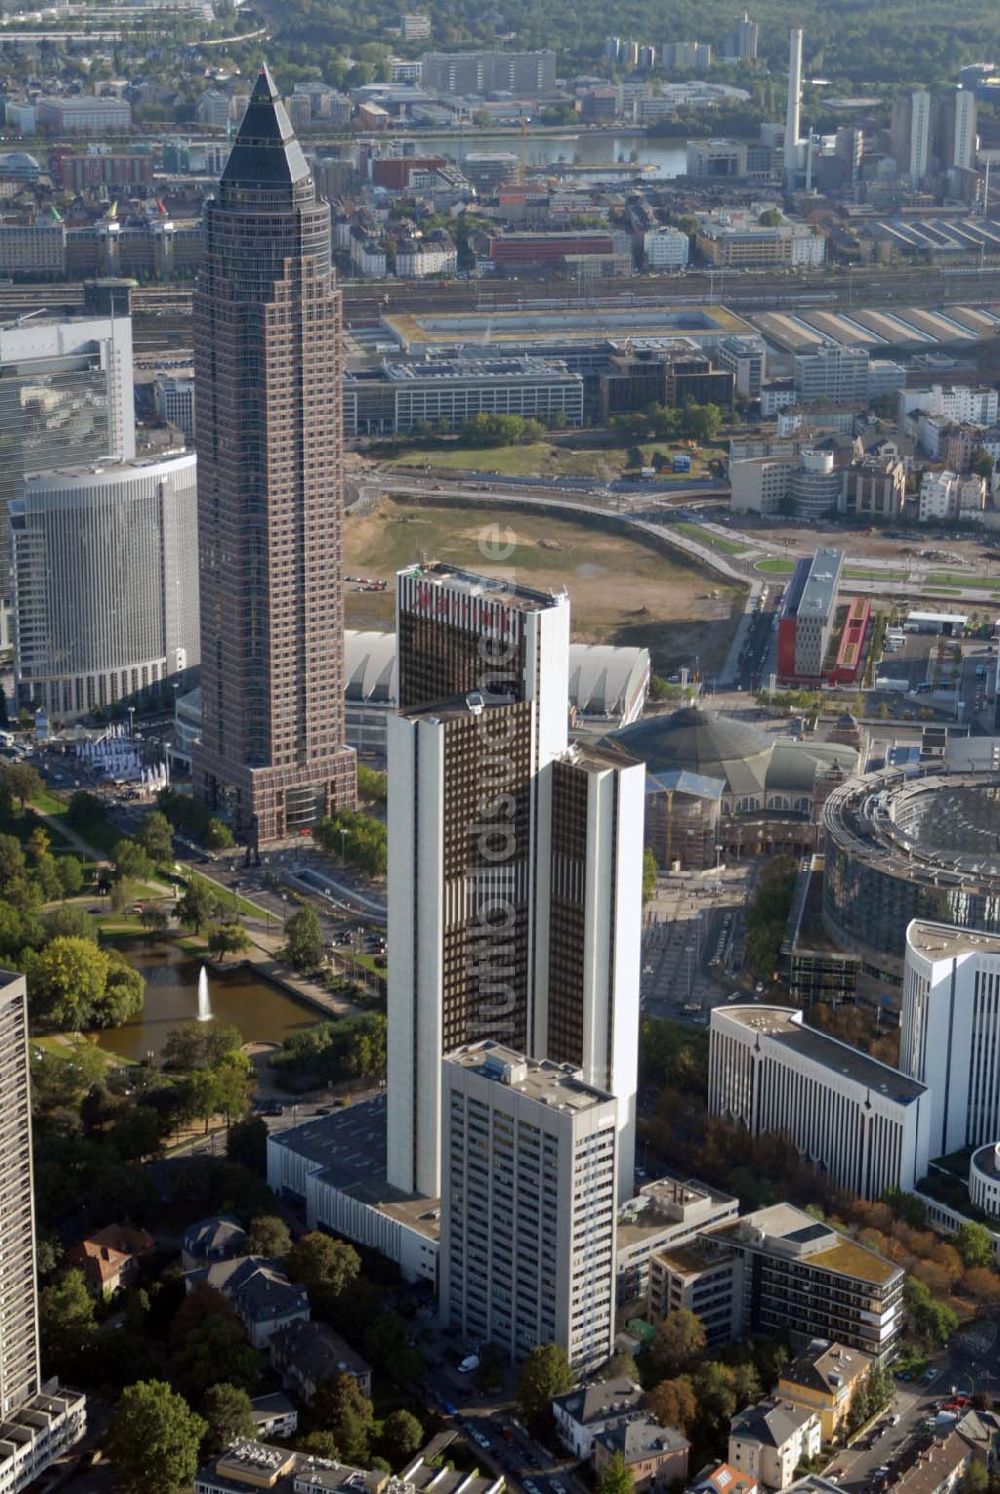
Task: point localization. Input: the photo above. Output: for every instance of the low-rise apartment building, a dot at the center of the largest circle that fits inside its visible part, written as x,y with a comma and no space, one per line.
771,1439
825,1379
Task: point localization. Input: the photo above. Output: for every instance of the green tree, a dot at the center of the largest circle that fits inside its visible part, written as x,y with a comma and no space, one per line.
154,1440
132,863
137,1133
67,981
69,870
932,1321
372,785
66,1322
713,1387
649,874
974,1244
218,836
85,812
198,906
341,1408
69,923
746,1384
157,837
124,993
214,1350
304,939
679,1341
269,1235
770,218
228,1412
154,919
322,1264
227,938
22,780
12,861
402,1436
388,1347
614,1477
246,1143
544,1375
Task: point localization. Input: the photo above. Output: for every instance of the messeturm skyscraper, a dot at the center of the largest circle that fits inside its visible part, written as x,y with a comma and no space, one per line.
268,386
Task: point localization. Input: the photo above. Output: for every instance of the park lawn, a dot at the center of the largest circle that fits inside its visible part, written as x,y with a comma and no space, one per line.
714,541
65,1044
47,803
775,565
953,582
858,573
534,459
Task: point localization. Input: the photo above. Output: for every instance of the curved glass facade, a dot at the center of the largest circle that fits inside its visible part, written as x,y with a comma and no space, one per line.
106,583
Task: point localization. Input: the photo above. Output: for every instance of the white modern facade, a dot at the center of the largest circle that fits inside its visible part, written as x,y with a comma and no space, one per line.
865,1124
834,373
37,1422
527,1205
950,1031
984,1179
515,861
920,134
105,583
666,248
793,110
965,138
964,404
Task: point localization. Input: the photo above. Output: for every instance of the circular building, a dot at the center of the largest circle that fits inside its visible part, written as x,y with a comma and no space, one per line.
105,583
984,1179
909,845
713,781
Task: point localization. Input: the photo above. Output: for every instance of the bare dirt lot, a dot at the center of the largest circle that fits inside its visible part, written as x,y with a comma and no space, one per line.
620,591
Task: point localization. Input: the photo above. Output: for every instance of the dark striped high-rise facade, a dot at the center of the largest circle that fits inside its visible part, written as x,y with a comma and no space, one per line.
515,860
268,382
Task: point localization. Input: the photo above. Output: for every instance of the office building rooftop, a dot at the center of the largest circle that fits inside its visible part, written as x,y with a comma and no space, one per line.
554,1084
488,588
784,1024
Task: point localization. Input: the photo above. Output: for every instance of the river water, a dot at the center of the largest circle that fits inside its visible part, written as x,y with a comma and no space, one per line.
262,1012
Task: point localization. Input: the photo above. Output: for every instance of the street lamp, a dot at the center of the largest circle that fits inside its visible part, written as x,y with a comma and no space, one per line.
131,721
343,843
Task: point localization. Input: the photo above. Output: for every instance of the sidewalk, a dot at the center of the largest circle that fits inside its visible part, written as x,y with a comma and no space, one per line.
262,957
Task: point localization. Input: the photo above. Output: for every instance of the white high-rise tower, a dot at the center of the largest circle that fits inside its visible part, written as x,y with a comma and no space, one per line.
792,116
